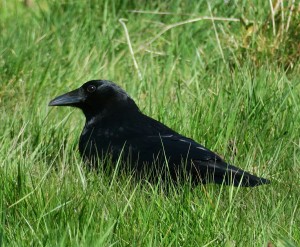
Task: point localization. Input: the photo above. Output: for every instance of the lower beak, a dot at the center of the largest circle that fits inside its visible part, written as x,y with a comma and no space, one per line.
72,98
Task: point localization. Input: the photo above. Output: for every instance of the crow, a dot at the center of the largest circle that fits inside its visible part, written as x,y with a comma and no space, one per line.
115,126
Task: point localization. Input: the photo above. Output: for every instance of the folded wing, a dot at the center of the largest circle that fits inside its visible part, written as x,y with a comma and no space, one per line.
184,155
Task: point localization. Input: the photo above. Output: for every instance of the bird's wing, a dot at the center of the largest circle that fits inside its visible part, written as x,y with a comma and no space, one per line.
185,154
176,147
156,137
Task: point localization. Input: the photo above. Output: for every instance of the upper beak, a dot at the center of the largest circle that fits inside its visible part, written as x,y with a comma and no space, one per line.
69,99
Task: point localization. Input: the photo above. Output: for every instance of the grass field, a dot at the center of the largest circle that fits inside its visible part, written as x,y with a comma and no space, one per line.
230,83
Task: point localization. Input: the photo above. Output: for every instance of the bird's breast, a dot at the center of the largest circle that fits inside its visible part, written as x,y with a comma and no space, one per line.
99,142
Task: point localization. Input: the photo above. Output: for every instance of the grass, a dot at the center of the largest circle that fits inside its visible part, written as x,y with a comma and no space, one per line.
225,85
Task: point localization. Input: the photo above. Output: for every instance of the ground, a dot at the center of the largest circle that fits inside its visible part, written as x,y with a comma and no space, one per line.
230,82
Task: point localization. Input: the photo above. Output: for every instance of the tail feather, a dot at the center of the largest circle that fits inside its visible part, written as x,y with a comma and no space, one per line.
231,175
245,179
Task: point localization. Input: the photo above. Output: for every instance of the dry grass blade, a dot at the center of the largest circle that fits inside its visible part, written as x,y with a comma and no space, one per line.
290,15
158,13
216,33
130,49
273,17
168,27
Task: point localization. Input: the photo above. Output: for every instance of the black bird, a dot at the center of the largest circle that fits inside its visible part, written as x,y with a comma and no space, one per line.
115,126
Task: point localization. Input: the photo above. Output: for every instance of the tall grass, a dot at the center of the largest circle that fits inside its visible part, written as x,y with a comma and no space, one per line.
217,83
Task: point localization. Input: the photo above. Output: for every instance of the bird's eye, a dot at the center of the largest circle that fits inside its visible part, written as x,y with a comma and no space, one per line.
91,88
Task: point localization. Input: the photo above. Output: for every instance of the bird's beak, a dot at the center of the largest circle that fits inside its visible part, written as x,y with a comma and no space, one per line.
72,98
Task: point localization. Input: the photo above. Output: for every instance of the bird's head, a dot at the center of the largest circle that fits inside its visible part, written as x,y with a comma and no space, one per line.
97,97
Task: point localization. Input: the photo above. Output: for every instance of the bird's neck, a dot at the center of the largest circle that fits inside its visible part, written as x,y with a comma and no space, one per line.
113,116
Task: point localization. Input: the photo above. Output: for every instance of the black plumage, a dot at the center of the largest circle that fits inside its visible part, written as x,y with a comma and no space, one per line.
115,125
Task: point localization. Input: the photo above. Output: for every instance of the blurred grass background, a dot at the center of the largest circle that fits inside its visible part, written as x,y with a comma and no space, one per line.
225,73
